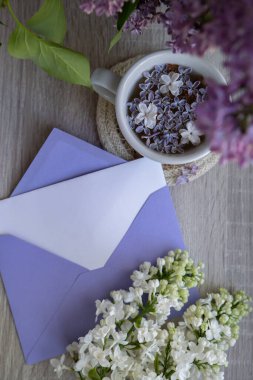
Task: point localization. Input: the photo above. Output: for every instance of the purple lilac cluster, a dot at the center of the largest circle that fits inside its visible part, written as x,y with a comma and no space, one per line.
194,26
172,112
102,7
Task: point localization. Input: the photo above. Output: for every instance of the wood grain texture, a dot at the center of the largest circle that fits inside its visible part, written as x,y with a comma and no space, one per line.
215,211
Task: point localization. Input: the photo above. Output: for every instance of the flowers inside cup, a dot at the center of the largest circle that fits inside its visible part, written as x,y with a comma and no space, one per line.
162,110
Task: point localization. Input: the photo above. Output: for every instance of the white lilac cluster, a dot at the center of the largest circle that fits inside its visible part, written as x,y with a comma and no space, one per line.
133,342
197,346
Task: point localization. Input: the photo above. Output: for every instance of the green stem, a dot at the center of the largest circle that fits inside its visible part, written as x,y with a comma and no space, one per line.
81,376
145,310
166,359
12,13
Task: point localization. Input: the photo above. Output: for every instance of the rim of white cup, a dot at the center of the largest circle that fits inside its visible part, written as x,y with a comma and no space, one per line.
127,86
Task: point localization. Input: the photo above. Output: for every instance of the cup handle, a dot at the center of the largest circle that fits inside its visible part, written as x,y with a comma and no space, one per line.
105,83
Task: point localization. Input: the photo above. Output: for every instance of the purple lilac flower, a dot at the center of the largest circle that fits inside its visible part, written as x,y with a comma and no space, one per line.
185,173
100,7
145,14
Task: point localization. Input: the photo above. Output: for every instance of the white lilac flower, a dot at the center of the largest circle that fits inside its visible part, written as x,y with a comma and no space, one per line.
195,373
170,83
194,321
117,310
58,365
99,355
152,285
147,114
215,356
145,267
117,296
73,348
152,376
190,134
83,362
126,326
163,307
109,321
120,360
118,338
182,371
100,333
83,343
147,331
214,330
160,264
149,353
226,330
162,337
101,307
131,310
134,294
139,278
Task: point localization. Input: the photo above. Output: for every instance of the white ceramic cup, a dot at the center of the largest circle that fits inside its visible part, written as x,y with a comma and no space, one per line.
119,90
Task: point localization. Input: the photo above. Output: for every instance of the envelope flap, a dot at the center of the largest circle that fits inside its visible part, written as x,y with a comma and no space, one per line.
30,274
63,157
83,219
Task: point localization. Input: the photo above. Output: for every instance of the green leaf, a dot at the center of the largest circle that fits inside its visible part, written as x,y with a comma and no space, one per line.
115,39
64,64
22,44
93,375
57,61
127,10
50,21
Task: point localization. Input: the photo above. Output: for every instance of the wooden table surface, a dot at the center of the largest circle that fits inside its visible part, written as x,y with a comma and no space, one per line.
215,211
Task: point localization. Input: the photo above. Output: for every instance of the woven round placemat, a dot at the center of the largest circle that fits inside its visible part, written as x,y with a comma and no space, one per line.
113,141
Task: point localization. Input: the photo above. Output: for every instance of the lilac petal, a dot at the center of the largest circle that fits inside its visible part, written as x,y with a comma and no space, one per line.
143,86
196,84
157,102
194,169
181,69
146,130
143,95
146,74
153,146
139,129
188,70
187,107
159,68
151,96
181,180
182,102
202,91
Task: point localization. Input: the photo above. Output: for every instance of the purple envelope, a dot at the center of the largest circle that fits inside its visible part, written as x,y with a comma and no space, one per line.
52,299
